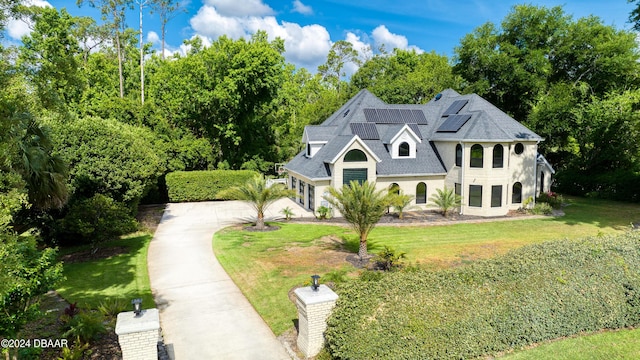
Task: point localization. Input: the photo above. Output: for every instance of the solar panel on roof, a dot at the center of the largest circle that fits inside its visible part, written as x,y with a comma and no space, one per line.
454,122
371,115
384,116
366,131
407,115
419,118
395,116
455,107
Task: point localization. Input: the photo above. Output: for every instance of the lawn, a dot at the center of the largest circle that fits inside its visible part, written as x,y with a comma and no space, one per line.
266,266
122,275
621,344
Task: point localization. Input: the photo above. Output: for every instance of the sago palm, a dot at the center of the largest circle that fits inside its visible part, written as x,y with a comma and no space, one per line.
446,199
258,194
361,206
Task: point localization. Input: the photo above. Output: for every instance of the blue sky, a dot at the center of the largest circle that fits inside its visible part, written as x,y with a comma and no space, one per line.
309,27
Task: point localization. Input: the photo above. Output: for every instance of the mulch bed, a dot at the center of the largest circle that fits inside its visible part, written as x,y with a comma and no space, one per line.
420,217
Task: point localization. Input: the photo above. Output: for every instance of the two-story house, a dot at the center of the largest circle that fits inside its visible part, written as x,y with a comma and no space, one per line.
459,141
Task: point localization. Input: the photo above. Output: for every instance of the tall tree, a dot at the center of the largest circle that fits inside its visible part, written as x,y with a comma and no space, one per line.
167,10
362,206
220,92
48,58
535,47
113,13
405,77
141,5
341,53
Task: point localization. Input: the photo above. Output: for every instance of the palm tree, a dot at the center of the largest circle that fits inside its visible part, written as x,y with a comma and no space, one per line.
446,200
401,203
258,194
361,206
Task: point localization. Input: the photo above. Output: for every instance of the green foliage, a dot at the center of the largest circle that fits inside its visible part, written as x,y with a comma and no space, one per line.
389,259
219,93
542,208
323,212
111,308
446,199
405,77
287,212
554,199
94,221
531,294
336,276
75,352
361,206
108,157
400,202
257,193
87,326
25,273
186,186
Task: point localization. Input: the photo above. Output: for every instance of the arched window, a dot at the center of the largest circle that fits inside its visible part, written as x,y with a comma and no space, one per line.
476,156
421,193
355,155
498,156
458,155
403,149
516,194
394,189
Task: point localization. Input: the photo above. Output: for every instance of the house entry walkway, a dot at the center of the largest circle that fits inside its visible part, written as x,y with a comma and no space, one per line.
203,314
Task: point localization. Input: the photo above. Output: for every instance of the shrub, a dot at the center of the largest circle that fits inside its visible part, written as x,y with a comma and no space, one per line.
94,221
551,198
287,212
531,294
86,326
388,259
323,213
542,208
186,186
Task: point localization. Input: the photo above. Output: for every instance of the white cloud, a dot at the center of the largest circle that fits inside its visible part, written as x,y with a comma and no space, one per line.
304,45
153,37
210,23
301,8
383,37
240,7
17,28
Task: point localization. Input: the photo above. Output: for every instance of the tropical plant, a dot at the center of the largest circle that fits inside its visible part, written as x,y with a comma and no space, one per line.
287,212
259,195
323,212
362,206
389,259
400,203
446,199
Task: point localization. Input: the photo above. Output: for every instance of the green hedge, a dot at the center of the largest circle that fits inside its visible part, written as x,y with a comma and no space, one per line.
185,186
531,294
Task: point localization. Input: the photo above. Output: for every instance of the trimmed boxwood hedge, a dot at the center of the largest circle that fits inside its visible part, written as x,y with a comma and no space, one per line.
528,295
185,186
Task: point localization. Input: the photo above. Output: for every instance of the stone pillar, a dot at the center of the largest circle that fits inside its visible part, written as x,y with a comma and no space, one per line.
314,307
138,335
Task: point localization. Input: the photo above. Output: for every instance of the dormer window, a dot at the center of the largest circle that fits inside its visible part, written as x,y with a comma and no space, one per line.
309,150
355,155
403,149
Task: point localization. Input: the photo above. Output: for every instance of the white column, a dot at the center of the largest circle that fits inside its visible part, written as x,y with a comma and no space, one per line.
314,307
138,335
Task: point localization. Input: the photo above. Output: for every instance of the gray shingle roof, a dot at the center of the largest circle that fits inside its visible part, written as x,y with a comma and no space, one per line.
487,123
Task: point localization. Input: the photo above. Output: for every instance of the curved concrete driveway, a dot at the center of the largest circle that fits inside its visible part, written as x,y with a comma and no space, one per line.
203,314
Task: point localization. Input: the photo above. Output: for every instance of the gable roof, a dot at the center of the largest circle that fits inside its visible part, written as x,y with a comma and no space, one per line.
355,121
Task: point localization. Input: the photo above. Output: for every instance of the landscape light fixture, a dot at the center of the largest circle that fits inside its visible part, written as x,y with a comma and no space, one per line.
315,283
137,306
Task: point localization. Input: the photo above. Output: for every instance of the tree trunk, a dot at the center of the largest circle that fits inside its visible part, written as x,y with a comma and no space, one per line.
119,54
163,35
260,221
362,251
